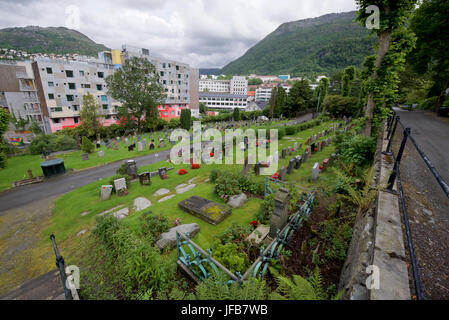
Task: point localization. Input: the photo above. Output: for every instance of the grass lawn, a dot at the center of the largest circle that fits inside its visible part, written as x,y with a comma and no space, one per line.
67,220
18,166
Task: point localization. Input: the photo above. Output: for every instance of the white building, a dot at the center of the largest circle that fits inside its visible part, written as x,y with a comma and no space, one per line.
223,100
237,85
263,94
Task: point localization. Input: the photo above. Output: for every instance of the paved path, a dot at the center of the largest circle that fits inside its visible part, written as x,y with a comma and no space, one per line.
21,196
432,136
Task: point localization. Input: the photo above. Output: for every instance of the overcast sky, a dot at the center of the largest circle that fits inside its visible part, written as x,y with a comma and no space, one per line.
203,33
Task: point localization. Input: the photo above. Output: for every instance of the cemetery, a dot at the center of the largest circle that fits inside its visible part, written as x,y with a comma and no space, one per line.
197,202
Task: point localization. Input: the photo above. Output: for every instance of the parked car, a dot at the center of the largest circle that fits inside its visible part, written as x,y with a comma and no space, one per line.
443,112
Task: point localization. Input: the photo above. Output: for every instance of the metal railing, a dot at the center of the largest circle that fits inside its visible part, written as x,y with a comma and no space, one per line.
393,124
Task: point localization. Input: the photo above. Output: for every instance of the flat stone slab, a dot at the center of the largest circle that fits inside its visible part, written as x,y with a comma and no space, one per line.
82,232
191,180
161,192
141,203
167,198
185,189
206,210
181,186
259,234
83,214
110,210
168,239
237,201
121,214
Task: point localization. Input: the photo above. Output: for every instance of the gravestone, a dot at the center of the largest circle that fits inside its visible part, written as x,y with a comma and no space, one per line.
298,162
100,154
131,169
105,193
280,215
315,171
283,174
325,164
132,147
276,157
291,166
120,186
284,153
145,178
162,173
140,146
257,167
289,151
332,159
151,145
206,210
162,144
295,146
85,156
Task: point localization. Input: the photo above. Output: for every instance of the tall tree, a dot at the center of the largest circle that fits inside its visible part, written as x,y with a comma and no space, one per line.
430,23
299,98
348,77
185,119
136,85
91,115
5,118
393,14
322,91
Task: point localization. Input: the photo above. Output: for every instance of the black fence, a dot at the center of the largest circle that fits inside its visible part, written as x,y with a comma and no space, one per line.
424,197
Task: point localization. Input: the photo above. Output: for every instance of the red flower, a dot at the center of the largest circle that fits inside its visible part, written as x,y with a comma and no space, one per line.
182,172
195,166
254,223
211,154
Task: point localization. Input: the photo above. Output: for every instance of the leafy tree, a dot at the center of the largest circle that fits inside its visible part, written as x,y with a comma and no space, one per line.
255,82
430,23
348,77
322,90
393,15
5,118
35,127
137,87
276,102
299,99
87,146
339,106
236,114
202,108
186,116
91,114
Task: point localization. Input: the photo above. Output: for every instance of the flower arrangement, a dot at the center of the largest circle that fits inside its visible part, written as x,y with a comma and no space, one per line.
275,176
182,172
177,222
254,223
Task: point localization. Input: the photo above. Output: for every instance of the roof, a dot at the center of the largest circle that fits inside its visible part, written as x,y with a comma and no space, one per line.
251,93
222,95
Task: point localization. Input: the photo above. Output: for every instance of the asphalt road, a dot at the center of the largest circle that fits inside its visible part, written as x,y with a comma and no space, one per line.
22,196
432,136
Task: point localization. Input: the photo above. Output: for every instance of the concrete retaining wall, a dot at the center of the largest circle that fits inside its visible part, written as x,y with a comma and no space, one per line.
377,248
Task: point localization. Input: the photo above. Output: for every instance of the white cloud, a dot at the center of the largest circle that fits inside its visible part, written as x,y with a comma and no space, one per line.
204,33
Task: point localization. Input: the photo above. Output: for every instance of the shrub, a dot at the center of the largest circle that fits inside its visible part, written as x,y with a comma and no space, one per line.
213,175
234,233
87,146
226,185
281,133
428,104
266,209
52,143
229,255
121,170
153,225
236,114
290,131
339,106
358,149
3,160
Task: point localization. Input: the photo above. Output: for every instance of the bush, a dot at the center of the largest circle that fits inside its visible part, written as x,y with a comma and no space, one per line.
266,210
52,143
229,255
281,133
358,150
235,233
290,131
339,106
213,175
229,184
121,170
153,225
87,146
428,104
3,160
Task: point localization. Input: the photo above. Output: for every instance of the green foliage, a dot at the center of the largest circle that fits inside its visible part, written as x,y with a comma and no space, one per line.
87,146
266,209
337,237
174,123
52,143
236,114
348,77
185,119
428,104
255,82
214,288
298,288
121,170
228,255
357,149
136,85
130,265
202,108
229,183
5,118
322,90
49,40
3,160
299,99
234,233
91,114
35,128
337,42
290,130
154,226
339,106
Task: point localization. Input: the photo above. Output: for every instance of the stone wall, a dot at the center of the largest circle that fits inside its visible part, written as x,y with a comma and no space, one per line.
377,244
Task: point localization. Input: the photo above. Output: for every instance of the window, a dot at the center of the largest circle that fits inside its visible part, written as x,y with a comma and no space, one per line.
51,84
85,85
177,68
164,65
104,98
56,120
76,107
49,71
162,73
100,74
179,76
70,97
105,107
75,120
69,73
72,86
57,109
81,73
51,96
99,87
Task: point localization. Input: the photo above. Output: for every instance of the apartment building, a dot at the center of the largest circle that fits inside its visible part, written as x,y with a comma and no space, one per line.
18,94
237,85
223,100
179,80
263,93
62,84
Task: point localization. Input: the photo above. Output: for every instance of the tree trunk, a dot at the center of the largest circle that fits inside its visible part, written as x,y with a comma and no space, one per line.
384,45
